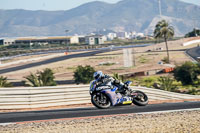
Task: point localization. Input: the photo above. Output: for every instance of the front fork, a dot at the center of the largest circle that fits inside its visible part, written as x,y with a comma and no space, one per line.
101,98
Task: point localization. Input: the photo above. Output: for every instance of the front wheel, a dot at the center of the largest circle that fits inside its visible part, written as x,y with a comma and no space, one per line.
140,98
100,100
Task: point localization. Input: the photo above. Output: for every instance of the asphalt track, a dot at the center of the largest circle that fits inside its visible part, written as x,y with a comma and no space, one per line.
92,111
89,112
56,59
194,53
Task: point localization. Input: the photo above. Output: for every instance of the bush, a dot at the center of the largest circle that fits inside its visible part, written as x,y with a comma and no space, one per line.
84,74
119,77
4,83
142,59
195,32
47,77
194,91
166,83
165,60
44,78
187,73
148,81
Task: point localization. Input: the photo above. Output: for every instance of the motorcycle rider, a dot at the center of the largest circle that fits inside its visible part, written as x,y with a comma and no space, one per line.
105,79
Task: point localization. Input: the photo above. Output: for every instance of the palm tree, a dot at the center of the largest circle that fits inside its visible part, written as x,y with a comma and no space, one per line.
43,78
163,30
33,79
4,83
119,77
47,77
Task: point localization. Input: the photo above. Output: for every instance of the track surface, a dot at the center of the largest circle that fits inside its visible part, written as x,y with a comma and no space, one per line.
56,59
194,52
92,111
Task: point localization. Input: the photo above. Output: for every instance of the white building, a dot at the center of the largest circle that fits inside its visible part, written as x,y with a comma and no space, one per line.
7,41
111,36
140,34
48,40
123,35
95,39
133,35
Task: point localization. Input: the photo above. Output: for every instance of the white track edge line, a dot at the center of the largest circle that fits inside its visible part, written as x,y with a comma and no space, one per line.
169,111
5,124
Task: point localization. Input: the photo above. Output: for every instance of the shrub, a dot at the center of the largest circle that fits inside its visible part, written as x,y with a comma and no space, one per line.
83,74
194,91
187,73
44,78
119,77
148,81
4,82
142,59
166,83
194,33
47,77
165,60
33,79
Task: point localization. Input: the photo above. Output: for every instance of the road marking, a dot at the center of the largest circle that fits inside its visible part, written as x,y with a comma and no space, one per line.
169,111
105,116
5,124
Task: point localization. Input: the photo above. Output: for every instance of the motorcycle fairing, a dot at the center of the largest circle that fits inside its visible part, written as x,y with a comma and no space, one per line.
114,97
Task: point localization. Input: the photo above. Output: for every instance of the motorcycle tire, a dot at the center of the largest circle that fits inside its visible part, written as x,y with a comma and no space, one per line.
141,99
98,104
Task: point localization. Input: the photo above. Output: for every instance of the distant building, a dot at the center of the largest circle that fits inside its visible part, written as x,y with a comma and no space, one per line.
91,40
7,41
48,40
81,39
1,41
140,35
133,35
95,39
123,35
111,36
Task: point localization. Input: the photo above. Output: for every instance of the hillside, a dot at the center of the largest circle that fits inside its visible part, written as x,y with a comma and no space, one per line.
126,15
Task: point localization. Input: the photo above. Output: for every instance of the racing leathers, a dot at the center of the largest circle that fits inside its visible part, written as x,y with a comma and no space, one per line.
106,80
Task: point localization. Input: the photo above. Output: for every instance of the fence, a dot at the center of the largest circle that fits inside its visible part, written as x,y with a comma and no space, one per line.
35,97
191,42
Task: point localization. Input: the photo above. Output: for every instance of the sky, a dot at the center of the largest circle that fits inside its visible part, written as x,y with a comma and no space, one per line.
52,5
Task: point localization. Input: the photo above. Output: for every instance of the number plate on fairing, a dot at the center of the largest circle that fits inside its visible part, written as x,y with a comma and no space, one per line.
127,102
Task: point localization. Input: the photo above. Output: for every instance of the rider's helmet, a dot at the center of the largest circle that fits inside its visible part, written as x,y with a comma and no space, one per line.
98,75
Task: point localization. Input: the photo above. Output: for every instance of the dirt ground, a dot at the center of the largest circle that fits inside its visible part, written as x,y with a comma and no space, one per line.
110,62
173,122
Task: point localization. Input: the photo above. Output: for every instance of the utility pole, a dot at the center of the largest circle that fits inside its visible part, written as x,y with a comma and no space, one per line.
159,7
195,25
66,31
134,59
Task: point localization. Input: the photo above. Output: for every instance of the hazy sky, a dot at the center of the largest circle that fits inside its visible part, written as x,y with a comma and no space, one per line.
54,4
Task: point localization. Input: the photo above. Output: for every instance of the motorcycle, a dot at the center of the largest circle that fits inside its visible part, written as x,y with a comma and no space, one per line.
106,96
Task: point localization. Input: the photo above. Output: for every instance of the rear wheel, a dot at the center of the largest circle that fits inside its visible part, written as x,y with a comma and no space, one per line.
140,98
100,100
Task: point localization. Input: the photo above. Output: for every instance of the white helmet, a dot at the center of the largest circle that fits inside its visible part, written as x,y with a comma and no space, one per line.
97,75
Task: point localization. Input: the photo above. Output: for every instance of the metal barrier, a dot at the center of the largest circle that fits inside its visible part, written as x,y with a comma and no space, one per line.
35,97
191,42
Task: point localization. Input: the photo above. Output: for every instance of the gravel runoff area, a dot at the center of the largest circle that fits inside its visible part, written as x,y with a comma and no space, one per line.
172,122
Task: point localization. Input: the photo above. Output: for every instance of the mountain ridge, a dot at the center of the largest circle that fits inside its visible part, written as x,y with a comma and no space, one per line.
126,15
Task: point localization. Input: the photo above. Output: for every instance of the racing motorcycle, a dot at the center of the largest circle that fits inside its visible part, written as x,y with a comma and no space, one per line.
106,96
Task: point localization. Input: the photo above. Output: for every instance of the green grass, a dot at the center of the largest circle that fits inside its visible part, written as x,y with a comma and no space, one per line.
107,64
151,80
98,58
143,59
